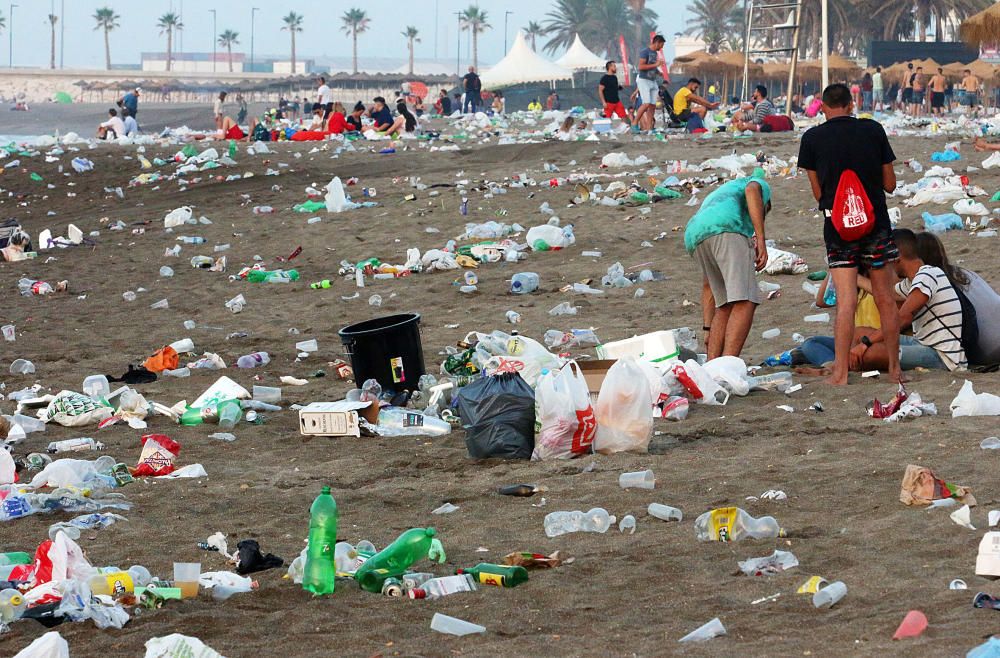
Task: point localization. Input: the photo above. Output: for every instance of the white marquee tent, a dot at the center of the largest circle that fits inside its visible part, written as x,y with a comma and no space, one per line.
580,58
523,65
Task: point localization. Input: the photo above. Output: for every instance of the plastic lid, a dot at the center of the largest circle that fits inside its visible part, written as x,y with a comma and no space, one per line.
325,491
430,532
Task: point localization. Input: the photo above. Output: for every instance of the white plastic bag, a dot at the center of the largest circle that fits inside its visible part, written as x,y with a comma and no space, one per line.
177,217
624,422
50,645
336,198
699,384
970,403
71,409
176,644
731,373
501,352
7,467
565,415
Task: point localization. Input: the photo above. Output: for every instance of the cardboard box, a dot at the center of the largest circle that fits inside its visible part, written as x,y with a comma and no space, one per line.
594,373
331,418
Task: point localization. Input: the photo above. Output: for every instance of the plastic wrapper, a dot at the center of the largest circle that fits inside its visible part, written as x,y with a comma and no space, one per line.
72,409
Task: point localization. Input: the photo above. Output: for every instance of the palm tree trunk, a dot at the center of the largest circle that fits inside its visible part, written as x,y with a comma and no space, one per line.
475,48
229,47
293,50
354,34
170,46
52,55
411,55
107,50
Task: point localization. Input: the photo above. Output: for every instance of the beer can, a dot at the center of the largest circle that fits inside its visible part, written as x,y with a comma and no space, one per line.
392,587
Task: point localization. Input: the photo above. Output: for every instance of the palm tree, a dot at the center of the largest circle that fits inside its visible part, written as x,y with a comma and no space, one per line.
597,22
411,35
106,20
533,31
3,21
355,21
565,21
606,20
227,40
293,23
474,19
52,56
170,23
712,22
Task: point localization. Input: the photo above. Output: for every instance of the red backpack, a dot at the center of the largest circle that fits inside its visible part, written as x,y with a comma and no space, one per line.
852,214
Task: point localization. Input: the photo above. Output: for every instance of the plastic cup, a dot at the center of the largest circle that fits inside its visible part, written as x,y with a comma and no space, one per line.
706,631
269,394
454,626
8,333
22,367
162,304
664,512
637,480
990,443
830,595
186,576
307,345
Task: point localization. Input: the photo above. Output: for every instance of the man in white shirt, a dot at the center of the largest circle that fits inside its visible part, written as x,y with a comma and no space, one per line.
931,305
219,109
878,91
113,128
129,123
324,96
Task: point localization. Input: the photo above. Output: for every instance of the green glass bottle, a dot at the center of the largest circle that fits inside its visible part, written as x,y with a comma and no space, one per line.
411,546
497,574
320,572
14,558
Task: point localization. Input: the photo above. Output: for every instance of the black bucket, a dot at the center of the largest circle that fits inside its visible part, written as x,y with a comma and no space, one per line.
387,350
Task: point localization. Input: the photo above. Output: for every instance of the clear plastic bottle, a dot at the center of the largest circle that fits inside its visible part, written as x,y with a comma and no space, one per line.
253,360
12,606
188,239
523,283
664,512
435,588
74,445
734,524
262,210
565,308
776,381
118,583
29,287
561,523
399,421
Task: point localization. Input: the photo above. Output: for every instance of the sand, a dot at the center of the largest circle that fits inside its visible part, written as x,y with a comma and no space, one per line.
625,594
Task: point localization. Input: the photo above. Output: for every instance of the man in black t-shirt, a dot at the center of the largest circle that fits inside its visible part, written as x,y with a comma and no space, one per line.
828,150
607,91
443,104
473,91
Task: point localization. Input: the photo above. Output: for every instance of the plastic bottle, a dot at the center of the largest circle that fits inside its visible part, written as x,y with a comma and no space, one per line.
272,276
191,239
262,210
400,421
521,490
12,606
119,583
74,445
435,588
253,360
230,412
411,546
829,595
561,523
321,285
232,148
776,381
734,524
665,512
29,287
96,386
513,317
523,283
15,557
320,569
486,573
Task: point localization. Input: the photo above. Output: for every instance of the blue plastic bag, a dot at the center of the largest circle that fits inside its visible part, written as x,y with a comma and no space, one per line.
946,156
941,223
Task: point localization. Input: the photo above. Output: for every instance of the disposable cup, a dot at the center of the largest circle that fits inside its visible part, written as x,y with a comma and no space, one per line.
269,394
829,595
637,480
186,575
8,333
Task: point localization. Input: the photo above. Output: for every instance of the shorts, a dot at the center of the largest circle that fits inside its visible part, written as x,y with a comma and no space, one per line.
649,91
908,95
875,250
612,109
937,99
970,99
685,115
918,97
727,261
235,133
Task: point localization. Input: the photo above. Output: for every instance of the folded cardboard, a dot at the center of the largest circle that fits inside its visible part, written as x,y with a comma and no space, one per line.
331,418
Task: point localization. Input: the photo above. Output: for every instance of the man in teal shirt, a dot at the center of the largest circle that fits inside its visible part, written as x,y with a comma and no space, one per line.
726,237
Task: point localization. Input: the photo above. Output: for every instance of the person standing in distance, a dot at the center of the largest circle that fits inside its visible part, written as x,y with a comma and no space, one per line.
608,90
647,79
859,146
473,91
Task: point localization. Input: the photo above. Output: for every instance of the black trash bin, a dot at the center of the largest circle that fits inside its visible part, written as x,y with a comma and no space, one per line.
387,350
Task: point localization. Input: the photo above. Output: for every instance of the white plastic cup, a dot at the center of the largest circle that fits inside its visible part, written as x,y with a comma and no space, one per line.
771,333
637,480
269,394
183,346
162,304
665,512
96,386
22,367
9,333
454,626
829,595
190,324
706,631
307,345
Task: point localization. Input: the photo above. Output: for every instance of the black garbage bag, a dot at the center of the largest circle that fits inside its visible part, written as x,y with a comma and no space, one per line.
250,559
498,415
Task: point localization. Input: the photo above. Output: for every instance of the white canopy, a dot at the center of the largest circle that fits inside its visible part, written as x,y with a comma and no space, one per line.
522,65
580,58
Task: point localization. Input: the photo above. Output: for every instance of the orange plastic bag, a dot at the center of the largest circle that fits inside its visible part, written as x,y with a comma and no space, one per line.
162,359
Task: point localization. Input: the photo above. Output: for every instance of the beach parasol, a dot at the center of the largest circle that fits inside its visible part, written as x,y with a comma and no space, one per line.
983,27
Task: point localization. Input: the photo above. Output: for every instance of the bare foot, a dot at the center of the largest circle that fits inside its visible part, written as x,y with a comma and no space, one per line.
898,377
836,380
812,372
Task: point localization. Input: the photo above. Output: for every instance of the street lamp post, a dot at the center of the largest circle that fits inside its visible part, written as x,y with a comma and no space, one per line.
505,15
253,13
62,32
214,31
10,54
458,46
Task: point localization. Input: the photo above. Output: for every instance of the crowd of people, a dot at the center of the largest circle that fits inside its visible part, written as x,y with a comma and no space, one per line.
900,302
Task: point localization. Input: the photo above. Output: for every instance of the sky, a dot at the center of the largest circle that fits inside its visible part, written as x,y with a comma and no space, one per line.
322,37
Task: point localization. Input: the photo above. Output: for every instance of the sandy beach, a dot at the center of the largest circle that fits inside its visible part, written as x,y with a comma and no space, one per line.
624,594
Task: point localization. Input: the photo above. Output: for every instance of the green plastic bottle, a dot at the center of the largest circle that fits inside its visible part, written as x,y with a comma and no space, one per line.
486,573
411,546
223,413
272,276
14,558
232,148
320,572
639,197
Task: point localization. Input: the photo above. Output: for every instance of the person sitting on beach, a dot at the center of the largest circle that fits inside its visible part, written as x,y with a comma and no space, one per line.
131,127
755,111
567,130
418,107
443,104
229,129
980,294
499,103
17,244
380,115
113,128
338,119
690,107
404,121
354,123
317,123
534,106
219,109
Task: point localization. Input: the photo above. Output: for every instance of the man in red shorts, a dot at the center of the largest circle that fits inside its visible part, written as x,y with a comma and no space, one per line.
607,91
